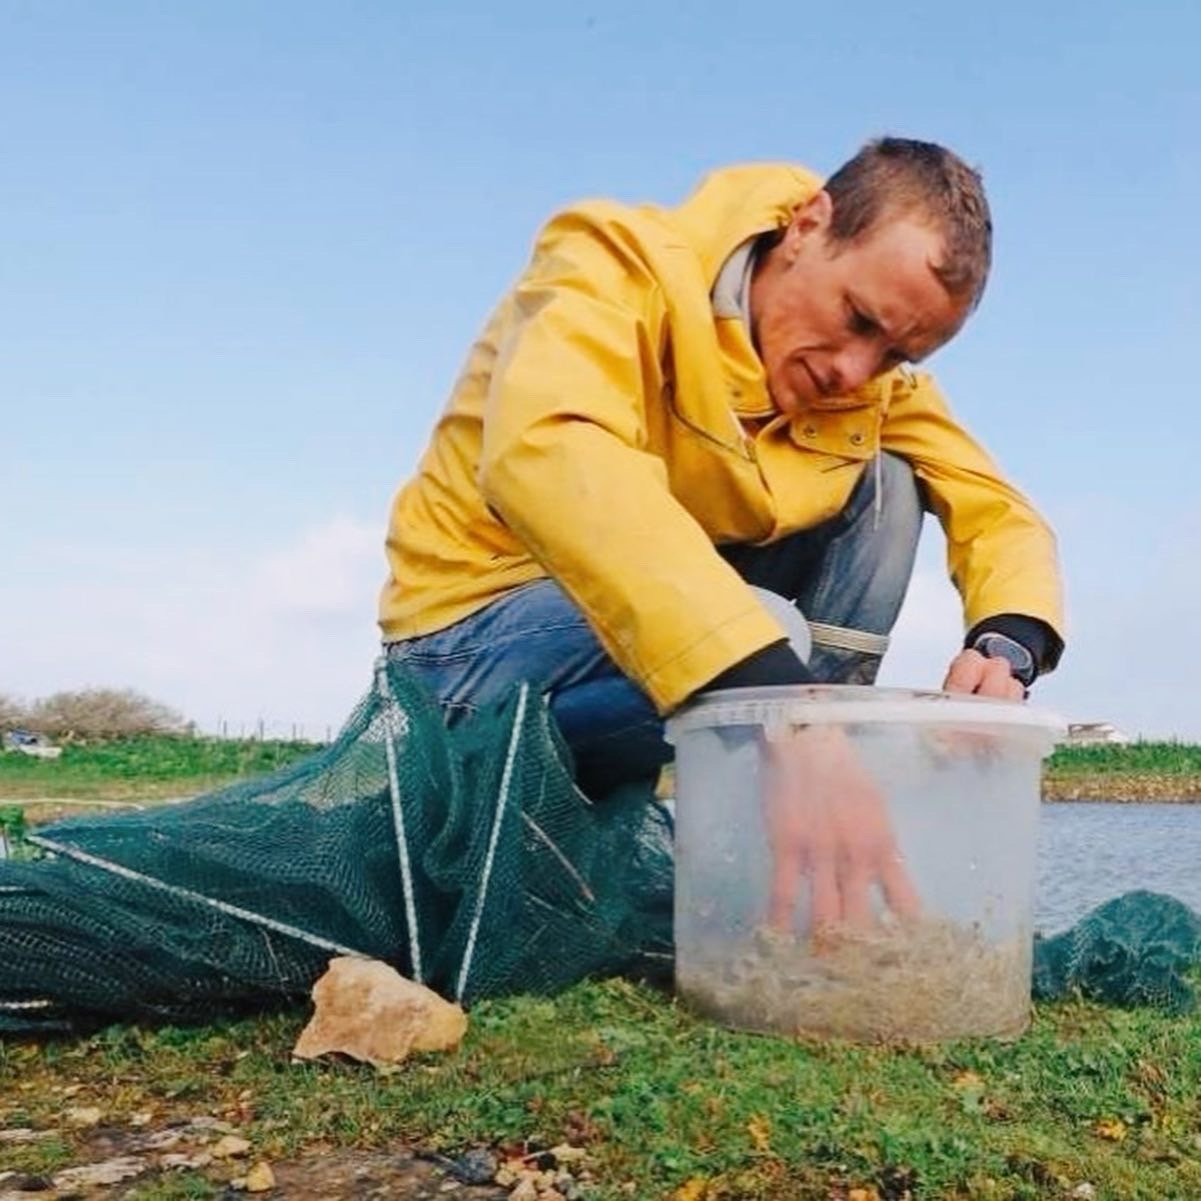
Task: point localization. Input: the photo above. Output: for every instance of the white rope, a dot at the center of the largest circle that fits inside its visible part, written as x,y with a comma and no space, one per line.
568,866
21,1005
501,801
175,890
395,714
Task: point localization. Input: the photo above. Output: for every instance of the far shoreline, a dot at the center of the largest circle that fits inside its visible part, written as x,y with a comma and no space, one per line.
1120,788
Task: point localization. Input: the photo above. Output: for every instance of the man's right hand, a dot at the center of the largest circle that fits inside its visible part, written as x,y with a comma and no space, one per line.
828,823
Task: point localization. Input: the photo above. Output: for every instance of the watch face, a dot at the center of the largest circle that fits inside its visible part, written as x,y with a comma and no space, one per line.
1020,660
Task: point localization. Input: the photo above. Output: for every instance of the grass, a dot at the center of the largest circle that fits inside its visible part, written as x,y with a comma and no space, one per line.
1133,772
670,1107
144,767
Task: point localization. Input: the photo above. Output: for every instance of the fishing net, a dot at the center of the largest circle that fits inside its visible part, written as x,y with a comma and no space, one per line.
1137,949
465,857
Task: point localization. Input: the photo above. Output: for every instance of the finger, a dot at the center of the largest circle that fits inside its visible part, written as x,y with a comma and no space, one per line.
827,906
965,672
787,870
997,680
899,893
855,888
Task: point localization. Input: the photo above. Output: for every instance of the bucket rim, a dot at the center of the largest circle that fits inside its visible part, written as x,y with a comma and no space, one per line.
855,704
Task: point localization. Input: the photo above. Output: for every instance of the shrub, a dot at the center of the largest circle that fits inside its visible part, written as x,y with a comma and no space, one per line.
102,713
12,714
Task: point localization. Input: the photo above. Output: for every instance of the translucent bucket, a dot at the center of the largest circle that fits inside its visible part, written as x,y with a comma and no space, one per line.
926,922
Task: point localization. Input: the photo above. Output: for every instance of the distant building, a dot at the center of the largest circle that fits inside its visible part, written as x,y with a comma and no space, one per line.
1094,733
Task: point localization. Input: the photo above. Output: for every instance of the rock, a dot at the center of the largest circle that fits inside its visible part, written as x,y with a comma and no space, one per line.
476,1167
29,1182
24,1135
207,1122
260,1178
84,1116
1084,1191
526,1190
229,1146
158,1140
507,1175
565,1153
111,1171
369,1011
182,1163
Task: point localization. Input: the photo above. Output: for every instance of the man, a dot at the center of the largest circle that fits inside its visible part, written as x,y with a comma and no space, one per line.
675,408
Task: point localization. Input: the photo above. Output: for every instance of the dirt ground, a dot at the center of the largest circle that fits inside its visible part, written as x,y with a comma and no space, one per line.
326,1175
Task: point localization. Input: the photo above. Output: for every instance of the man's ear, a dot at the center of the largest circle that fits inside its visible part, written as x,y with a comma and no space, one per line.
808,220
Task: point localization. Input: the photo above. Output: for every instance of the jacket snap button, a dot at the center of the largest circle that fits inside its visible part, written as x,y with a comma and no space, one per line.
810,431
856,439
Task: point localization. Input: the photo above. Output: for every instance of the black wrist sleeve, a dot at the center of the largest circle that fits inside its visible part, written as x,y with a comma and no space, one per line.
774,664
1032,632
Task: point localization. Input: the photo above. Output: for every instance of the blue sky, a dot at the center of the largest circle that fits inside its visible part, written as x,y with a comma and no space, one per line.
244,247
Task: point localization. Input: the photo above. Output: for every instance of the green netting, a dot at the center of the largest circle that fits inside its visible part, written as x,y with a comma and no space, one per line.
1138,949
466,858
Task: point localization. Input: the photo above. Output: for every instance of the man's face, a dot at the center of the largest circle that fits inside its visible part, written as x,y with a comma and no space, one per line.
828,316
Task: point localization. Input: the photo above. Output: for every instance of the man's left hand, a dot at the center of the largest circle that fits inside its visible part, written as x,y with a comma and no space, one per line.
970,671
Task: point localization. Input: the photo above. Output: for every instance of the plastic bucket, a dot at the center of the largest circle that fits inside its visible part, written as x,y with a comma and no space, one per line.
858,862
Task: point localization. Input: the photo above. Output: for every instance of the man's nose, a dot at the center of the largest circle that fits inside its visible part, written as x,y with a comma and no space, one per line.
853,366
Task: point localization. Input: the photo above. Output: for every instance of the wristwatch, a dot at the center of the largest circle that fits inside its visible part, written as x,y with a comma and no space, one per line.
1000,646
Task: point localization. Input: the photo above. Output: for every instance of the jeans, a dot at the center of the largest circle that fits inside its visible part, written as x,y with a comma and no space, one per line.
847,576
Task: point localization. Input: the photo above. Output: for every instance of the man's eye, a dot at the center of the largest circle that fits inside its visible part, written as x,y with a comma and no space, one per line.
860,323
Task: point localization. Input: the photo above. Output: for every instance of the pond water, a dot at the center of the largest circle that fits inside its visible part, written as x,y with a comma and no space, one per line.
1089,853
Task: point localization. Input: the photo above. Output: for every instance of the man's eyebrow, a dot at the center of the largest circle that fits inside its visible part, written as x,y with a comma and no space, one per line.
869,313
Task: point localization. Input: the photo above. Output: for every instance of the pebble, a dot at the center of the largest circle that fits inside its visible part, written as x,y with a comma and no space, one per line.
208,1122
260,1178
84,1115
25,1135
183,1163
29,1182
229,1146
526,1190
111,1171
1084,1191
476,1167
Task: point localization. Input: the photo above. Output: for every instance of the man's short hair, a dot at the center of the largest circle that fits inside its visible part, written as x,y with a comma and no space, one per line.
900,177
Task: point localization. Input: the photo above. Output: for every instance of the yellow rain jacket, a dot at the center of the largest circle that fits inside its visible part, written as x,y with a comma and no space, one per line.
608,430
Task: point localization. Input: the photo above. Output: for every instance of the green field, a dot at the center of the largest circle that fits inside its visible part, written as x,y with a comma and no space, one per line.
143,767
1091,1103
157,766
667,1106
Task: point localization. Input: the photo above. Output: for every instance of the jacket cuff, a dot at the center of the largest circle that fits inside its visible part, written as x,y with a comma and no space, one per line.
1034,634
774,664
